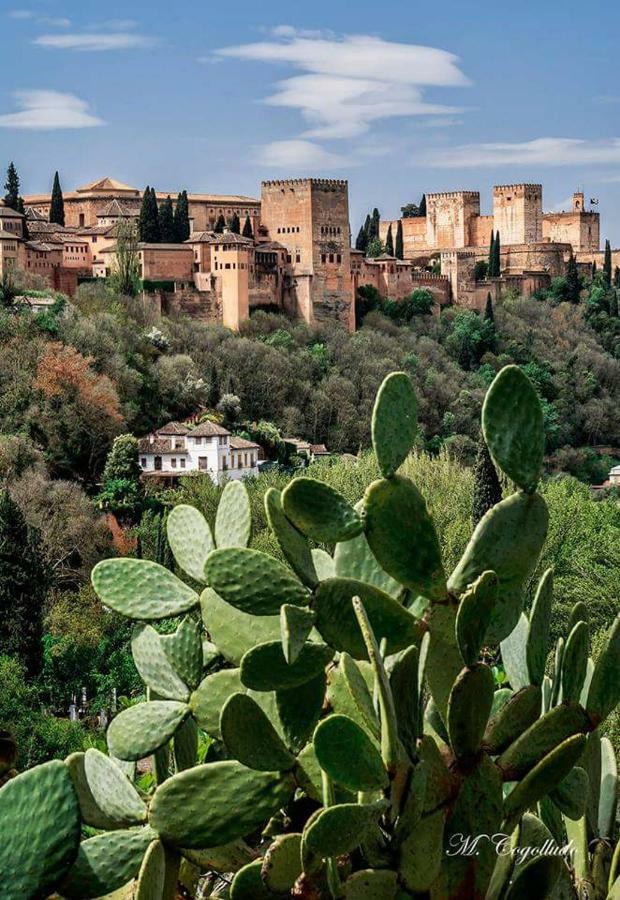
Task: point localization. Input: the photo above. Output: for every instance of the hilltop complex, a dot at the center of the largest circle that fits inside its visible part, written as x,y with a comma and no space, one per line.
299,257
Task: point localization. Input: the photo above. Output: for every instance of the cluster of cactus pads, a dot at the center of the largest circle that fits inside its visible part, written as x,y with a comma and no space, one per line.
359,745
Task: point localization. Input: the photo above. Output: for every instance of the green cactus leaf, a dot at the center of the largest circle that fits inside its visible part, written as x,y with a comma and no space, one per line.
139,730
513,428
575,662
420,856
473,616
153,664
90,811
140,589
208,699
394,422
250,737
115,796
337,624
514,654
404,687
107,862
541,738
549,772
604,693
371,884
185,745
500,699
282,863
190,539
508,541
583,696
340,829
232,631
253,582
308,773
233,520
434,723
413,807
579,613
411,552
443,658
40,827
469,707
441,785
571,794
212,804
538,878
609,790
264,668
293,543
227,858
348,693
354,559
323,564
184,651
347,754
319,511
158,875
515,717
248,883
540,623
296,623
299,710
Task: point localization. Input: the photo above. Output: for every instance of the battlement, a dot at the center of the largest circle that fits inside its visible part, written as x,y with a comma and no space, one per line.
503,188
319,182
453,195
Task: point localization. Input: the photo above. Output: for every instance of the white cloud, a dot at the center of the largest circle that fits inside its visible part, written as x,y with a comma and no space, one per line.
299,155
93,42
41,110
544,151
348,83
51,22
20,14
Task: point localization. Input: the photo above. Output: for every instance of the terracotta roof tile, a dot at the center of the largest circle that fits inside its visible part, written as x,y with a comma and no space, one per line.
208,429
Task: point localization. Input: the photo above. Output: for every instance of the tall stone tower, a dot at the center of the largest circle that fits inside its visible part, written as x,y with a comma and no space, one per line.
230,261
517,213
310,217
450,217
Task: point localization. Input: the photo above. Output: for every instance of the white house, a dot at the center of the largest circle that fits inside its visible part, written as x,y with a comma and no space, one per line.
177,449
614,476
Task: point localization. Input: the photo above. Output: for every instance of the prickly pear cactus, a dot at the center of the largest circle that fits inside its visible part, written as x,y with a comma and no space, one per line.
358,745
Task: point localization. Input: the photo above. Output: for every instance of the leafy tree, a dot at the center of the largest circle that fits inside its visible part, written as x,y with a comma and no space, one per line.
247,228
235,224
613,303
57,205
399,250
573,281
167,230
375,248
470,338
230,408
389,241
182,225
12,198
410,211
489,315
607,264
220,225
23,587
148,220
126,263
487,488
481,270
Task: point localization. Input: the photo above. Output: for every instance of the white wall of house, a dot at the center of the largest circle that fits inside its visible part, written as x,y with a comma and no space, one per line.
212,455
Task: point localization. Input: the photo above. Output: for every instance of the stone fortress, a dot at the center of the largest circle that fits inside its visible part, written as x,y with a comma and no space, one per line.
299,259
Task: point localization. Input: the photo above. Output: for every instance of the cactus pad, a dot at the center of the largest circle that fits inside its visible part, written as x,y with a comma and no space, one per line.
210,805
394,422
540,622
575,662
251,738
190,539
355,559
232,631
323,564
282,863
474,616
248,883
340,829
571,794
233,520
264,668
107,862
89,809
604,693
514,717
184,651
296,623
372,884
513,428
209,698
154,666
292,542
112,791
469,707
299,710
253,582
348,756
541,738
152,874
319,511
141,729
140,589
514,654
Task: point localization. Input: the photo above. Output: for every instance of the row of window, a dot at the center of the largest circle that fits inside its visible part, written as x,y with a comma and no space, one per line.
243,461
331,229
329,257
228,266
293,229
81,248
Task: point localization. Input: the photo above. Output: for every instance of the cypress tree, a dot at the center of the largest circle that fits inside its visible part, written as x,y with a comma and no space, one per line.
389,242
235,224
12,198
181,218
23,587
422,207
487,489
57,205
361,241
374,224
367,228
573,282
617,277
148,220
497,264
399,249
247,228
607,264
154,212
490,270
489,315
166,222
220,225
613,304
594,270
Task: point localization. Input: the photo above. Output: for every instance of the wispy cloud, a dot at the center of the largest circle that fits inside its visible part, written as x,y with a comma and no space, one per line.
55,22
298,155
544,151
95,41
350,82
20,14
41,110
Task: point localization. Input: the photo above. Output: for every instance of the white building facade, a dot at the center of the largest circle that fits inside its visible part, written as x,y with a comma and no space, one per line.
208,449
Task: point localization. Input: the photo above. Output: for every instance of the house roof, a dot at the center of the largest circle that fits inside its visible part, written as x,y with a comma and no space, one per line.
7,213
231,237
41,226
173,428
41,247
34,215
120,208
269,246
208,429
4,234
216,199
159,446
202,237
319,450
239,443
106,184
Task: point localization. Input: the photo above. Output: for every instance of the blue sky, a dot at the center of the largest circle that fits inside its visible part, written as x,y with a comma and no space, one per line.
400,98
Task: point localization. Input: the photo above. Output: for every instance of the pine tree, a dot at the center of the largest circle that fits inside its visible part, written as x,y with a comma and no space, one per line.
487,489
182,225
23,587
220,225
389,241
57,205
166,222
617,277
235,224
148,220
247,228
12,198
490,270
607,264
399,250
497,263
594,270
361,241
573,281
489,315
613,303
422,207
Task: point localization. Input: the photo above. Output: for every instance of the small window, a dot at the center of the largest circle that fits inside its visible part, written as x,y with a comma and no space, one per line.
173,462
143,462
331,257
183,462
323,258
198,441
338,258
298,258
